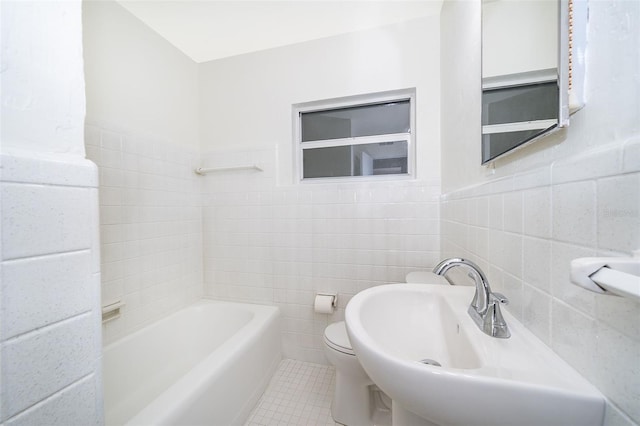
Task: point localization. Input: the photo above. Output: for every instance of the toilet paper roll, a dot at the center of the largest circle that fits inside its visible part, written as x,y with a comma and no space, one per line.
323,304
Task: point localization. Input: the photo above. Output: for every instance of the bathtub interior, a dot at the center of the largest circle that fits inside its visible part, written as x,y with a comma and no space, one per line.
143,365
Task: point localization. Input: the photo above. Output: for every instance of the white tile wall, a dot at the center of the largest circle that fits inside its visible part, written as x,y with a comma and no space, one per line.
589,207
281,244
49,293
150,225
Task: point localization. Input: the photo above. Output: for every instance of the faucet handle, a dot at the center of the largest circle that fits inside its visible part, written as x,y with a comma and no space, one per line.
498,298
494,323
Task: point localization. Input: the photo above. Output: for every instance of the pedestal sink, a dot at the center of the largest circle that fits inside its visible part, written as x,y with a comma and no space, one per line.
418,344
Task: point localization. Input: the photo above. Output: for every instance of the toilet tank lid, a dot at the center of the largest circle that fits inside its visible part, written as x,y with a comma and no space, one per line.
425,277
336,333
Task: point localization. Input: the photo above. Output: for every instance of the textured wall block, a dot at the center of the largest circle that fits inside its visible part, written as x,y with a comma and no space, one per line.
43,290
38,219
52,171
39,364
75,405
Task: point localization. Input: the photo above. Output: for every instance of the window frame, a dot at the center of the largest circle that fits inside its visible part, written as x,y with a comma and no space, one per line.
349,102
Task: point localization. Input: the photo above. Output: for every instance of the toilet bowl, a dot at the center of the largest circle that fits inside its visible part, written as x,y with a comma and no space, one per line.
353,396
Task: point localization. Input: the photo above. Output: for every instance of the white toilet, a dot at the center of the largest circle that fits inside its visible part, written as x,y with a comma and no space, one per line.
357,401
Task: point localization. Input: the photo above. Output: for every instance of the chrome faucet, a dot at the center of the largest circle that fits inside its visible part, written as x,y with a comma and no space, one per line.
485,306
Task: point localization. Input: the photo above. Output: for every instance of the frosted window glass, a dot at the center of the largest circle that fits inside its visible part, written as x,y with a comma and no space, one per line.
356,160
366,120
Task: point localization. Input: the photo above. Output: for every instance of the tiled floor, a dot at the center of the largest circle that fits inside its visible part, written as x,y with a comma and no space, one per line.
298,394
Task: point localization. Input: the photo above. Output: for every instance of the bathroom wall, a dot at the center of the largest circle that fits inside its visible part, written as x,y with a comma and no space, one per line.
136,80
269,239
142,132
50,365
573,194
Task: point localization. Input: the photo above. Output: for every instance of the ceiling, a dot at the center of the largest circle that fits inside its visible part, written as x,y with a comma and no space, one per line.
209,29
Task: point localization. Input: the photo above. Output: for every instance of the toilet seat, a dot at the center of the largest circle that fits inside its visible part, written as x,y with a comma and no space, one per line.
336,337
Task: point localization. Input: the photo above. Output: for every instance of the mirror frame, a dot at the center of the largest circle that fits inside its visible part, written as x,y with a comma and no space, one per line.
572,25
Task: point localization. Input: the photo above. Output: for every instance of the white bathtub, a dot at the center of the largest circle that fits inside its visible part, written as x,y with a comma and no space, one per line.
207,364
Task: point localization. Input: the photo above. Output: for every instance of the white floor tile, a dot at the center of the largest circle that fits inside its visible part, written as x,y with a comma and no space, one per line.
298,394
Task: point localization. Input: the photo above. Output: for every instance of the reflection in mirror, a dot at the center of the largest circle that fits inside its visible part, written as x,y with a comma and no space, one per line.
520,94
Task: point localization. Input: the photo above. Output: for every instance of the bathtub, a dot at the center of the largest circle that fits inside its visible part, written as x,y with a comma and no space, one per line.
206,364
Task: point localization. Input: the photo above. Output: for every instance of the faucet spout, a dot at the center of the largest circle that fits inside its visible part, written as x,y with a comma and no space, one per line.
485,306
481,298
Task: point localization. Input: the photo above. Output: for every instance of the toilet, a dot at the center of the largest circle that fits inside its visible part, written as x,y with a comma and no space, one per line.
357,401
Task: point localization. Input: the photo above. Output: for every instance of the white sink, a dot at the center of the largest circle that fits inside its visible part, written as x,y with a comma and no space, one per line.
481,380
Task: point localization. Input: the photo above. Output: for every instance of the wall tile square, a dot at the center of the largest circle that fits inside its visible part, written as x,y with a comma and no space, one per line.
536,313
496,212
574,213
513,216
537,212
537,263
110,140
571,329
497,247
620,314
482,211
512,254
512,288
619,213
618,371
111,158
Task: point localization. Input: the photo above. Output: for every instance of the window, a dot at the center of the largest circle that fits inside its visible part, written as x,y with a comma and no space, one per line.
356,137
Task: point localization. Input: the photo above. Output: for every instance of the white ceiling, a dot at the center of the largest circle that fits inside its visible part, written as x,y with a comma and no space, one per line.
210,29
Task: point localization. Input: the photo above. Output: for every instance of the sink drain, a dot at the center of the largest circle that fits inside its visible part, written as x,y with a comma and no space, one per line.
431,362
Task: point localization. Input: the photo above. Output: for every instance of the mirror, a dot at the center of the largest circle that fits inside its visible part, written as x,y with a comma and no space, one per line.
522,73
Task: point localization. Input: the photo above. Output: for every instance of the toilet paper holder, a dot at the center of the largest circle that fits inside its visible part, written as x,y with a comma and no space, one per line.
334,296
325,303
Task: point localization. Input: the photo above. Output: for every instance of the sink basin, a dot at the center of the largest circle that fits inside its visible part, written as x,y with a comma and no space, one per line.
418,344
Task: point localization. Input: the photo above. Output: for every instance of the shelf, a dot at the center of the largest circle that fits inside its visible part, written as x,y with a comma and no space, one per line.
204,170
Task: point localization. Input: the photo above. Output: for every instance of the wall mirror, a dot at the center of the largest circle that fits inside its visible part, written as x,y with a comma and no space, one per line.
527,66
